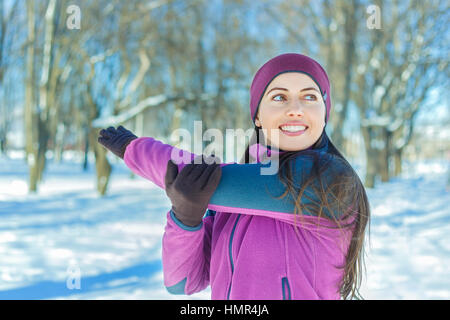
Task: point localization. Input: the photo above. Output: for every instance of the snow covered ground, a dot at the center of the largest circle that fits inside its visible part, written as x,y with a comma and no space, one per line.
68,243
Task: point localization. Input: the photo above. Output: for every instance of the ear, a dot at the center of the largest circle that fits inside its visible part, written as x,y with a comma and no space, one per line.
257,122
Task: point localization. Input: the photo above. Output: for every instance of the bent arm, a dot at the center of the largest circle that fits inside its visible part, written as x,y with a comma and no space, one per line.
186,255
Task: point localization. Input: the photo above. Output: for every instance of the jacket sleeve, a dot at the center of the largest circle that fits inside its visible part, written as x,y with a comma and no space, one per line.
148,157
186,254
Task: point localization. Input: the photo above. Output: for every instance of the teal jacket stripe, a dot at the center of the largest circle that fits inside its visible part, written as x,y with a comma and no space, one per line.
182,225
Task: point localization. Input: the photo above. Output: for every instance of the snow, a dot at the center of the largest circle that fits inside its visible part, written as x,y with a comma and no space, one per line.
409,247
112,245
115,241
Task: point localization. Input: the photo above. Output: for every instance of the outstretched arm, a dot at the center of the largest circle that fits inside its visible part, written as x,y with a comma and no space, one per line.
243,188
146,156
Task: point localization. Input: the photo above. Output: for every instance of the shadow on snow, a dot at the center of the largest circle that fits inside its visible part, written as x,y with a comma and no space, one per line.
53,289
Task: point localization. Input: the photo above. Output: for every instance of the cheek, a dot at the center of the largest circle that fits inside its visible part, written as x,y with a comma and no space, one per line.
318,115
269,116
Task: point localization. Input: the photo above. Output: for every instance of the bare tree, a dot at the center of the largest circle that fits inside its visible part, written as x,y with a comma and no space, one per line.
395,76
5,48
158,66
387,82
30,113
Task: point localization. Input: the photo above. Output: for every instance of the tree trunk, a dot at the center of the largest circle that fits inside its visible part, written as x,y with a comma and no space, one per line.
172,65
350,27
59,142
3,139
371,158
102,165
86,149
37,159
32,163
44,90
3,105
30,116
398,162
103,168
384,155
371,165
29,92
42,150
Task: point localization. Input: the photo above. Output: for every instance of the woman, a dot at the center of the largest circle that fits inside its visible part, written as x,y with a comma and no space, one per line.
295,235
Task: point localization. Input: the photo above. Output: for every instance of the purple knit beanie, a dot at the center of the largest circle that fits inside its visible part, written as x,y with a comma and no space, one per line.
288,62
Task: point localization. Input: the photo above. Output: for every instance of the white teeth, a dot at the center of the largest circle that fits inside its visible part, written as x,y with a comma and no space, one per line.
293,128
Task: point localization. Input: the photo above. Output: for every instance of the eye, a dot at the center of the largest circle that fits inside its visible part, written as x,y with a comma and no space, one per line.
311,95
278,95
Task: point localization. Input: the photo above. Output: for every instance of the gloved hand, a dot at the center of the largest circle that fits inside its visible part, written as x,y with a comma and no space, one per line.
116,141
192,188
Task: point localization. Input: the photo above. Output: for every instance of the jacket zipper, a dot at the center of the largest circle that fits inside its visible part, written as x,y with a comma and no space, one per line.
286,288
231,254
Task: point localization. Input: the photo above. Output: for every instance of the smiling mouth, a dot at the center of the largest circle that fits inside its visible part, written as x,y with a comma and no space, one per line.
293,130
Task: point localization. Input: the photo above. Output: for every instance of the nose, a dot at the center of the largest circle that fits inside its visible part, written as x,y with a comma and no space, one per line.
295,108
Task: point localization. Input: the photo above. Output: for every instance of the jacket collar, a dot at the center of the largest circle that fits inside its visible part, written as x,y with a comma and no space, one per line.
260,152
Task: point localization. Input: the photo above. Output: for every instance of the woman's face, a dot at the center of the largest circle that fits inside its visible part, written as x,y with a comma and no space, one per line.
290,101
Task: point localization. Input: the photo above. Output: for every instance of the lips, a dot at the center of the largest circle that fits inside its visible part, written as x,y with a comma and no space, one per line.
293,123
297,133
293,129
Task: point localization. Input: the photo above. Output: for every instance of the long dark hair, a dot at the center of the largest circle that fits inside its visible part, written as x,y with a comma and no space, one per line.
345,189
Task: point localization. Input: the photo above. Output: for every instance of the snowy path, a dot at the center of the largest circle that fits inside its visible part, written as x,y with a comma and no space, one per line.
115,242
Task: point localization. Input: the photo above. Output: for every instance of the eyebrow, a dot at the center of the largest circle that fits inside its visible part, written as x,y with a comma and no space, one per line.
284,89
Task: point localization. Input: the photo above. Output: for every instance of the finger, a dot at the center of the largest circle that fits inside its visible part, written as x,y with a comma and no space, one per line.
207,169
102,141
190,172
206,174
203,159
171,173
198,170
189,168
198,159
214,178
125,131
111,130
104,133
212,159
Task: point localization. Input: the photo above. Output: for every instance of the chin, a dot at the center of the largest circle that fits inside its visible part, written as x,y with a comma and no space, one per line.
293,146
290,147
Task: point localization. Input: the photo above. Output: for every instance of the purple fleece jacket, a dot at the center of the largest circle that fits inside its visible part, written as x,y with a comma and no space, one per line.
243,252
